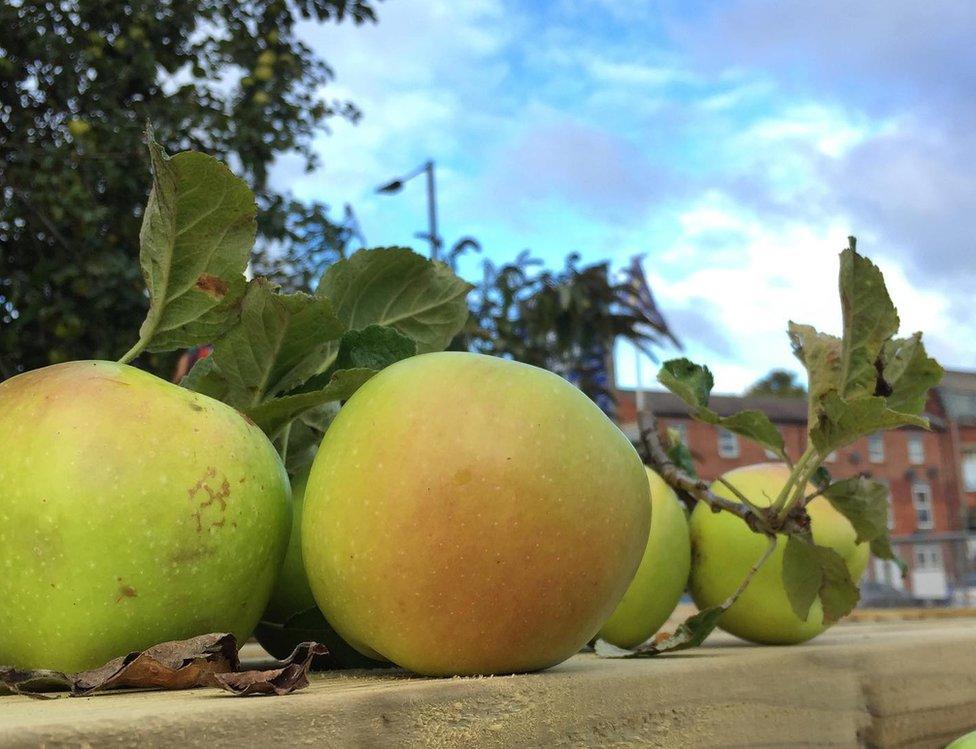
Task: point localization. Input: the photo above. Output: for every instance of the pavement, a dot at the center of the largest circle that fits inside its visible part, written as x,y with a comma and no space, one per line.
875,684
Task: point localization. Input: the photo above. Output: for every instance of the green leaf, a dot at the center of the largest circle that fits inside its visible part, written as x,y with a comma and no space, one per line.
864,503
820,478
881,548
690,634
680,455
280,341
870,319
821,355
693,384
840,422
689,381
274,414
197,233
374,347
909,373
394,286
204,378
810,571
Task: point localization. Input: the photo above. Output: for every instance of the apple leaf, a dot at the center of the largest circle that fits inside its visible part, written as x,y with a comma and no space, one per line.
867,380
908,373
274,414
197,233
691,633
373,347
840,422
395,286
864,503
693,384
810,571
278,344
870,320
881,548
361,353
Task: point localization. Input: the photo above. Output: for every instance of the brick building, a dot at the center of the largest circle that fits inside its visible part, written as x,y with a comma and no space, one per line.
931,477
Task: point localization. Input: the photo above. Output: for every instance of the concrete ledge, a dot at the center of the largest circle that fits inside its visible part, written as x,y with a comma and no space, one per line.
908,684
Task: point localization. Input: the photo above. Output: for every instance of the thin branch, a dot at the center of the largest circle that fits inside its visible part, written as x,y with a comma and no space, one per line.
770,547
758,520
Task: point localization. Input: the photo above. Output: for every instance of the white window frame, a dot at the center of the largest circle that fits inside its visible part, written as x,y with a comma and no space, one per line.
831,457
922,489
969,470
928,557
728,443
916,450
876,447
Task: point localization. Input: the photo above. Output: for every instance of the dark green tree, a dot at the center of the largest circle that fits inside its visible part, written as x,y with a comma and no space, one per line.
78,81
780,383
565,320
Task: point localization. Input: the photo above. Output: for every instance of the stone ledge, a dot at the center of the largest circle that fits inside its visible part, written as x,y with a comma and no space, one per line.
907,684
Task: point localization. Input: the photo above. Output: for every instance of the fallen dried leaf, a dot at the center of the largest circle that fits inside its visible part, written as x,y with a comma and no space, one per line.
208,660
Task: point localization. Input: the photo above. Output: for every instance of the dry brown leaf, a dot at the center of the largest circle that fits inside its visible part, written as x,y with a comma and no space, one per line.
207,660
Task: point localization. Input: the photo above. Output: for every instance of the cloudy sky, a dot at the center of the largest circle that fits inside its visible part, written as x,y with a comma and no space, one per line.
736,144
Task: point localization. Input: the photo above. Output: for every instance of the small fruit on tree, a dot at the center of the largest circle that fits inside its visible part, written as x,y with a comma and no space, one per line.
724,548
78,127
662,576
133,512
472,515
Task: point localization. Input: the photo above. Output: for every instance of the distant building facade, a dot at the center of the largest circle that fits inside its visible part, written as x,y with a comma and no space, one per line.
930,475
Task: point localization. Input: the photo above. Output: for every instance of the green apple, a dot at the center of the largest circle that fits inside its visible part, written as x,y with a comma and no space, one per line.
132,512
292,616
467,514
723,550
967,741
662,576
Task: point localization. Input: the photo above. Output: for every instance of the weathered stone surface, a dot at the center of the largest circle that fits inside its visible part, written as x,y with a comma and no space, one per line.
905,684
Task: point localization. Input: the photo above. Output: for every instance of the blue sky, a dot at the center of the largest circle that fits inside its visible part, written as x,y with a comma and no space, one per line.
734,143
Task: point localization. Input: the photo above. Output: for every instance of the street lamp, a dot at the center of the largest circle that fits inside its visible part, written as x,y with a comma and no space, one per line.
394,186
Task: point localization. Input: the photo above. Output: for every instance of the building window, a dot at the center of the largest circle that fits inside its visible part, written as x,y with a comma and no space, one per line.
928,557
916,450
831,457
681,432
876,448
728,444
922,499
969,470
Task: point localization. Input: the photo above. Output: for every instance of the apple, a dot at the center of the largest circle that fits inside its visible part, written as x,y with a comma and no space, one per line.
292,616
967,741
723,550
662,576
467,514
132,512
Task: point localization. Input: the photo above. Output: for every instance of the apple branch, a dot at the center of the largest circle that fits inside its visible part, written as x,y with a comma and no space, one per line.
758,519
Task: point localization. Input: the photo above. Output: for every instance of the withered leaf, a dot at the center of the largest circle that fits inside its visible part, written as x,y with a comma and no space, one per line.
208,660
285,680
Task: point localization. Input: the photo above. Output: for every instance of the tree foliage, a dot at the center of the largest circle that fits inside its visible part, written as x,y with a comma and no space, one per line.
78,81
564,320
779,383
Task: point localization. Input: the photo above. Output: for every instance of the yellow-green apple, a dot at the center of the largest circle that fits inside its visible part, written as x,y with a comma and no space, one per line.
467,514
132,512
662,576
723,550
968,741
292,616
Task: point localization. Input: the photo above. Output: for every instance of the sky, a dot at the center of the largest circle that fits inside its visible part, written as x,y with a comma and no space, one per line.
733,144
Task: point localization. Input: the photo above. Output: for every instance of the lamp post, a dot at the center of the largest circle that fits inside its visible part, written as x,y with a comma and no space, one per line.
394,186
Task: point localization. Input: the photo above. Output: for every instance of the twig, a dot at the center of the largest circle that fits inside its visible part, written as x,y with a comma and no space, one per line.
770,547
757,520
